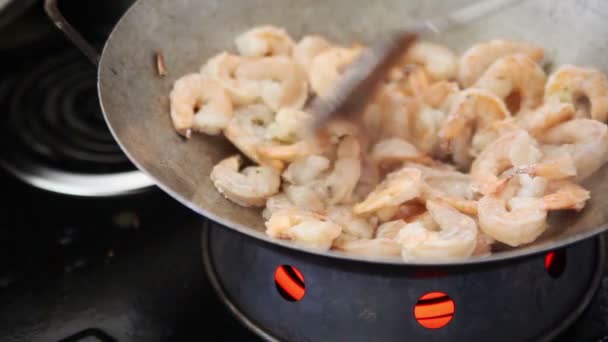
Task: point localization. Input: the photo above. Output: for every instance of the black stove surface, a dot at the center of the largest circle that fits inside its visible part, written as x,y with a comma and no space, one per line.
123,268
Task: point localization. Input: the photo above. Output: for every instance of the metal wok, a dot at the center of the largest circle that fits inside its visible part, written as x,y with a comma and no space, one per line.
136,107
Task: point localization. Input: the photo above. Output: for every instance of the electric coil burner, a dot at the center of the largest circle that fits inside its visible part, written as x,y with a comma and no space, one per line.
298,297
55,136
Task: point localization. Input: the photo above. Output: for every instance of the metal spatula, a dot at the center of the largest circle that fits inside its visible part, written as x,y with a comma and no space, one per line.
359,81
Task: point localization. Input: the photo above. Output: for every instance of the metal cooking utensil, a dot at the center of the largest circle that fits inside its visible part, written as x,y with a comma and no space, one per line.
360,79
135,102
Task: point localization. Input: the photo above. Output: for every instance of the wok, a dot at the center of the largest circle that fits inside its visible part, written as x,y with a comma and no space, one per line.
136,107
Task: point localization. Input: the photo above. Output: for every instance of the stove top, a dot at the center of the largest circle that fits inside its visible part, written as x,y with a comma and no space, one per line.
101,266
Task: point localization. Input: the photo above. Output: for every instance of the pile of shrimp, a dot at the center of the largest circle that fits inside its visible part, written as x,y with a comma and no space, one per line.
455,155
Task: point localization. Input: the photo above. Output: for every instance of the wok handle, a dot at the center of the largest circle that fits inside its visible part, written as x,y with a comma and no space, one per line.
52,10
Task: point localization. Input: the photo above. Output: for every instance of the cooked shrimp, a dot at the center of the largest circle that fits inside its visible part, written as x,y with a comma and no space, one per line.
393,151
263,41
250,187
282,83
439,61
308,48
306,170
303,228
351,224
551,167
511,149
287,125
222,68
379,247
523,223
276,203
425,129
390,230
344,177
483,247
565,194
456,238
474,110
586,141
199,103
451,187
548,115
369,179
478,58
399,186
571,83
247,131
440,95
291,152
515,74
388,114
327,67
310,196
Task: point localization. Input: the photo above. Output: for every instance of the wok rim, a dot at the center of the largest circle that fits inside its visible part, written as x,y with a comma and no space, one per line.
513,254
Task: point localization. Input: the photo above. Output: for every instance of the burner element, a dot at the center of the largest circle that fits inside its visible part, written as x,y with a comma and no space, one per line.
55,114
56,136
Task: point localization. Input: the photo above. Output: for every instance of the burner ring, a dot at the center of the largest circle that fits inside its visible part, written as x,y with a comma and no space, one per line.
55,137
78,184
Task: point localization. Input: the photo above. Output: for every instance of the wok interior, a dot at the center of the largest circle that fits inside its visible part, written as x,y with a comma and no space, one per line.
188,32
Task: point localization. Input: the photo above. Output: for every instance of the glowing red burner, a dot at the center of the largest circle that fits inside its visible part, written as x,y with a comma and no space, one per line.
290,283
434,310
555,263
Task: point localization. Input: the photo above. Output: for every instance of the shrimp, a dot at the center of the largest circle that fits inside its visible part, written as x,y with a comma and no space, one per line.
476,60
306,170
369,179
276,203
327,67
523,223
388,114
379,247
351,224
309,196
222,68
585,140
263,41
570,84
250,187
456,238
199,103
474,110
451,187
439,61
344,177
282,83
515,74
290,152
247,131
393,151
557,166
522,218
303,228
440,95
399,186
424,133
565,194
511,149
483,247
548,115
308,48
287,125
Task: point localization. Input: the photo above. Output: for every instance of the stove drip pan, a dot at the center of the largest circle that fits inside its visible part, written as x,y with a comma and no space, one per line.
287,295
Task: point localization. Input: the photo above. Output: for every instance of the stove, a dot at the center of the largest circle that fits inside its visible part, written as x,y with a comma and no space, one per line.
90,250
